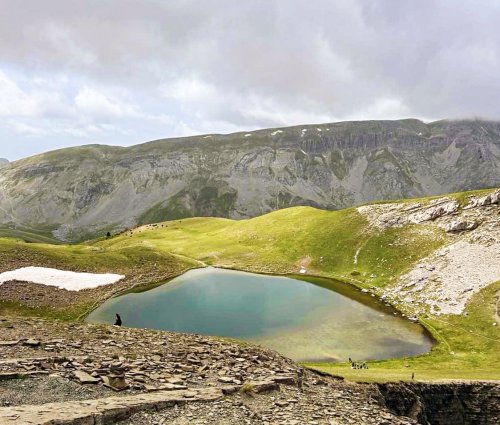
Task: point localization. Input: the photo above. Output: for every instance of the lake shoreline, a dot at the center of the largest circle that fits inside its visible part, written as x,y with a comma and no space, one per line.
275,311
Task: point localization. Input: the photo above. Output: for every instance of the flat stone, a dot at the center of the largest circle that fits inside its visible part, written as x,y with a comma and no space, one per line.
175,381
32,343
263,386
229,389
104,410
85,378
285,379
8,343
170,387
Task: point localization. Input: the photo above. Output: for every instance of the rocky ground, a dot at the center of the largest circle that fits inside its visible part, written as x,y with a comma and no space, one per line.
470,261
150,377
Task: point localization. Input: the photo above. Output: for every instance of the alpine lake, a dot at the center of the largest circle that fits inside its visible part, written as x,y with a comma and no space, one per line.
306,319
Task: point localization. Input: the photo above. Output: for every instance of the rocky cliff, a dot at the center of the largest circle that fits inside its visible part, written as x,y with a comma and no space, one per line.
450,403
79,192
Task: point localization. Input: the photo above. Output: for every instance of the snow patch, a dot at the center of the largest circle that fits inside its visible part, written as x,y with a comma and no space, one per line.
274,133
248,134
71,281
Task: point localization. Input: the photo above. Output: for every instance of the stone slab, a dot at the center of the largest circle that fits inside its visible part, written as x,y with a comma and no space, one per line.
101,411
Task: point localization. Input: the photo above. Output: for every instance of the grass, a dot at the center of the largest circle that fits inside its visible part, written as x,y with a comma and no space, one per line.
27,236
325,242
329,244
468,348
141,267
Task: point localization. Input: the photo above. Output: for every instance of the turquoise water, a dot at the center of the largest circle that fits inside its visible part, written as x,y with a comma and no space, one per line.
302,320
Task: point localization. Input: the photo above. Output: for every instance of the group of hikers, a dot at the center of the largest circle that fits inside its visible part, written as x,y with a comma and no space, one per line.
357,365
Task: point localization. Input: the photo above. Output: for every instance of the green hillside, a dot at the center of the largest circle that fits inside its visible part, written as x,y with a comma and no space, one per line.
27,236
325,242
335,244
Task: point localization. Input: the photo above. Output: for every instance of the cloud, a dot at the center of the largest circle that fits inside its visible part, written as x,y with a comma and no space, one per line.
34,102
160,69
188,89
92,102
26,129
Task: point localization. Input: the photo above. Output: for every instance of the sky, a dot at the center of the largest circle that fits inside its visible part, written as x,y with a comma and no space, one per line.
122,72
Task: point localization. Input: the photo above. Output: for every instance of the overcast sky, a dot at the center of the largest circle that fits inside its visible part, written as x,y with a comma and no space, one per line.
122,72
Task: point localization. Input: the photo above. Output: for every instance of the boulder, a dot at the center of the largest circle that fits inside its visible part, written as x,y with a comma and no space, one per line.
115,382
489,199
444,207
461,225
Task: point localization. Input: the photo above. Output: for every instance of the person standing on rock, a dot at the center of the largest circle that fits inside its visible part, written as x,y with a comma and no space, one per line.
118,321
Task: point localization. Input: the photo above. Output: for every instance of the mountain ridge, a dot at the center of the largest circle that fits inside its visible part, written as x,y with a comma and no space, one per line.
178,139
80,192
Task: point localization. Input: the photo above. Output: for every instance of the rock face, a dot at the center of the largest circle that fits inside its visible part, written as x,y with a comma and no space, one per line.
3,162
448,278
80,192
448,403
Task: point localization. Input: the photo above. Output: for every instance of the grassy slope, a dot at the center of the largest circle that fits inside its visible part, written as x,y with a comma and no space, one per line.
27,236
140,266
326,243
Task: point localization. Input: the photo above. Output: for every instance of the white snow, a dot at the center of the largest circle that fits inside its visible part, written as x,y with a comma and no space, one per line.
248,134
71,281
319,129
274,133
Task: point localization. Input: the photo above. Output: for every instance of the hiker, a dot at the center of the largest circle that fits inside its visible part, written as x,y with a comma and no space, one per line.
118,321
412,376
350,360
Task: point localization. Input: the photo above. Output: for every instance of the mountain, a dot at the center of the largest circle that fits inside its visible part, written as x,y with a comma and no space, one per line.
80,192
3,162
